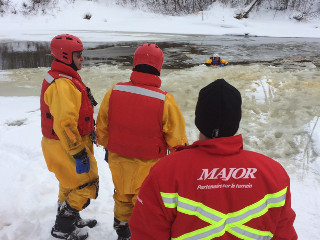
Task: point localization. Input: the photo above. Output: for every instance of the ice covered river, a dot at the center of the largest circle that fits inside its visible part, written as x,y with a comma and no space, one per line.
279,79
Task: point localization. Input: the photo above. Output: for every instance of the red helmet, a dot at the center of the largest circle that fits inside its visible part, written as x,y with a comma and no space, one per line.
63,45
149,54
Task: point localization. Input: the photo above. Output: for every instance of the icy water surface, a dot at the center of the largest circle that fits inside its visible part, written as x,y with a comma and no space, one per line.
281,104
279,79
181,51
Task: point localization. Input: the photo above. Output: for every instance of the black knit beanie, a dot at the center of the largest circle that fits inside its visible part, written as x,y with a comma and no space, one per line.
218,110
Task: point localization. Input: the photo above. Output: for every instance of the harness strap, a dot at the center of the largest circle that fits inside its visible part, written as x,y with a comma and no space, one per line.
94,182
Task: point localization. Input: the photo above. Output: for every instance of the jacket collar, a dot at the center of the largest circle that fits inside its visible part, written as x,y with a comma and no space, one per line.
139,78
217,146
65,69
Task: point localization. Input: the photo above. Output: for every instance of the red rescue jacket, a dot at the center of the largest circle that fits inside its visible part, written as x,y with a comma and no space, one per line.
135,118
214,189
86,121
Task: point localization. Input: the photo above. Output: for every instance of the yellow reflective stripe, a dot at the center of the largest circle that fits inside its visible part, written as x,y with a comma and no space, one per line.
231,222
248,233
200,210
205,233
257,209
170,200
190,207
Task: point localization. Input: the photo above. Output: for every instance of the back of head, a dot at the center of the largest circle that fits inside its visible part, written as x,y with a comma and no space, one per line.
62,47
218,110
148,56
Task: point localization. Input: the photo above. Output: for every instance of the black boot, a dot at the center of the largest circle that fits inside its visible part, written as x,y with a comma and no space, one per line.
65,225
122,229
81,223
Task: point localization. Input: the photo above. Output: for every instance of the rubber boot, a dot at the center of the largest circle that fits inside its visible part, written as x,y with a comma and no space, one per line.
80,222
122,229
65,225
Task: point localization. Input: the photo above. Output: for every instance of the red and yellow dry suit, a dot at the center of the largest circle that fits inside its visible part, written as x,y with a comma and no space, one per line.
67,121
214,189
136,122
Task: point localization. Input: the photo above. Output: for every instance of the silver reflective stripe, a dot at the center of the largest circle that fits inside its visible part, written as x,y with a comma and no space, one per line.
170,200
199,210
249,234
206,234
256,210
49,78
140,91
65,76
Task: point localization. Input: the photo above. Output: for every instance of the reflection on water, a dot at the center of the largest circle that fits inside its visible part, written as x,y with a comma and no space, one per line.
280,103
24,55
180,51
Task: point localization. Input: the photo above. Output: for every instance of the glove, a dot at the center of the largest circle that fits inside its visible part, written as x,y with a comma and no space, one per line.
221,65
106,156
82,161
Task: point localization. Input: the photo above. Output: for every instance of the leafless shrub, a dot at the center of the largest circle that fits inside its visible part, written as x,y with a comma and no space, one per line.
87,16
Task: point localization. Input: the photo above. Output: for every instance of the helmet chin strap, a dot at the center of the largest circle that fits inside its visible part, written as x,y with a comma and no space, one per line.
73,66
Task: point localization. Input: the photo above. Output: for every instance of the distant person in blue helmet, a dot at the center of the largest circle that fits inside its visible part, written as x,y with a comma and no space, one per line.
216,61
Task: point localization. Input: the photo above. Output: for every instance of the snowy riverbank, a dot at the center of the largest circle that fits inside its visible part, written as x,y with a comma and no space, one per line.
29,190
110,22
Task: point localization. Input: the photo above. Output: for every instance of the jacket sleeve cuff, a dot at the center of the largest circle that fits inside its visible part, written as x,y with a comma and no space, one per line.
76,150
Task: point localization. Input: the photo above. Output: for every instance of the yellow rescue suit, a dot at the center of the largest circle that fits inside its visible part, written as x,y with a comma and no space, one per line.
64,101
129,173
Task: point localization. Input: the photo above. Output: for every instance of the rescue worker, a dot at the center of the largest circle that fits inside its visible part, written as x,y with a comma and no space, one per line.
216,61
67,123
213,189
136,122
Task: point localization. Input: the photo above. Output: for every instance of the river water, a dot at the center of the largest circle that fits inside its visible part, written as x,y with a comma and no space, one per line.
279,79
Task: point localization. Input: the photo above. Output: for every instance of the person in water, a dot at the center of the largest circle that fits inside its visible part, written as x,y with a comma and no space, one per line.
216,60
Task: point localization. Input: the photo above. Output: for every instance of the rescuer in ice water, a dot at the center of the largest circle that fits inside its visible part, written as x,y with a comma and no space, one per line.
216,61
68,133
136,122
213,189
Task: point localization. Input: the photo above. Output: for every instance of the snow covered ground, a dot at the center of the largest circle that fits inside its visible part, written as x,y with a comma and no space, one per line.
29,190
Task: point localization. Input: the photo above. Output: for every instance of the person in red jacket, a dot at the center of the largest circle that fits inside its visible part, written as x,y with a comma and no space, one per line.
214,189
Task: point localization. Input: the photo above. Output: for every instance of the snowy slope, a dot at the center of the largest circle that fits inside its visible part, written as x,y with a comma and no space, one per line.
108,17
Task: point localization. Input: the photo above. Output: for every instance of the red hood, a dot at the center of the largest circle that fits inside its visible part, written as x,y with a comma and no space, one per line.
217,146
139,78
63,68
